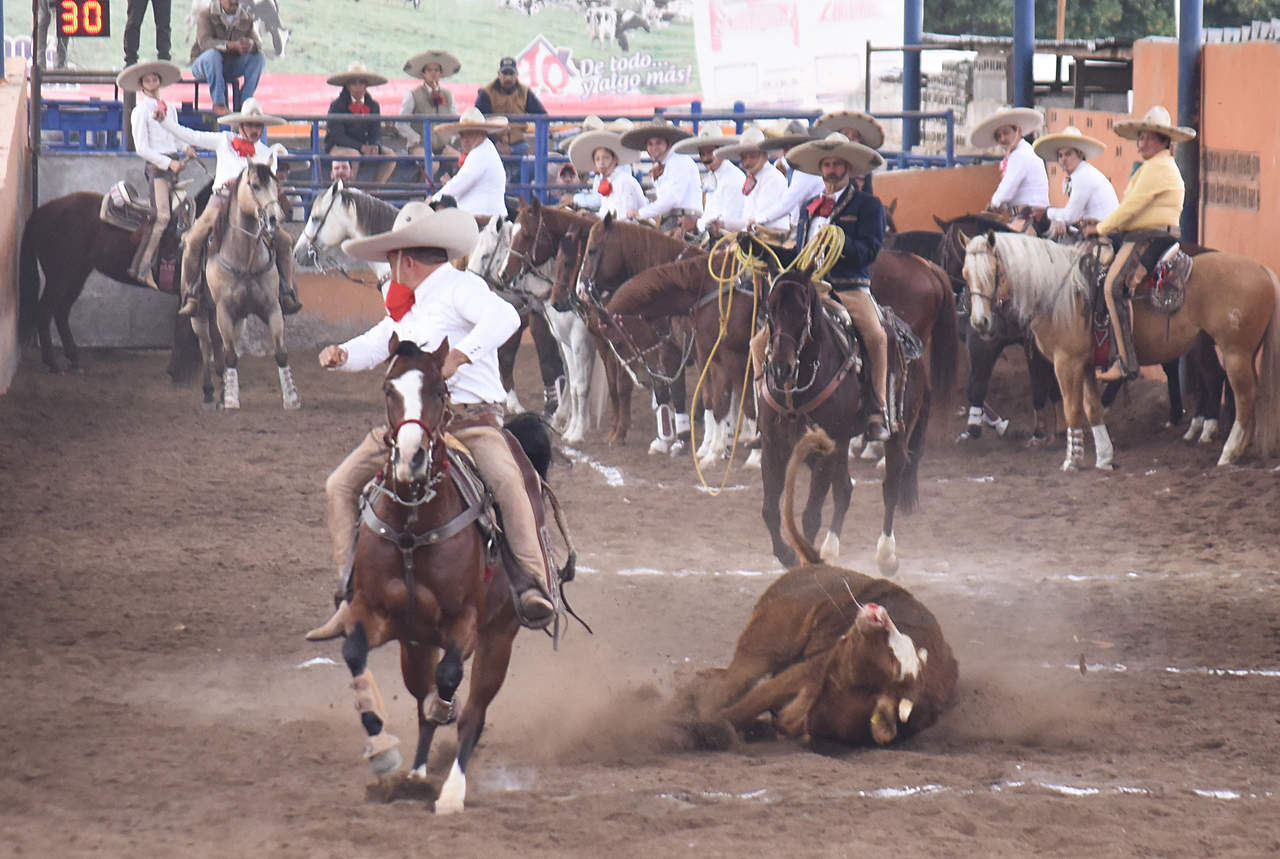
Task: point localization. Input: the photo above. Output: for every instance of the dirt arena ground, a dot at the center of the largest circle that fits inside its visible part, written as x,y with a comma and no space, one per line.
1117,636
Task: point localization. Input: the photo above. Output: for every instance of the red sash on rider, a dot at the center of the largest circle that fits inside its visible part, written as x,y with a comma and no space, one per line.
243,147
821,207
358,107
399,300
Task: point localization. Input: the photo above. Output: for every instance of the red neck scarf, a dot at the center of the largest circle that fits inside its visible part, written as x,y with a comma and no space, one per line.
1004,162
462,158
437,98
821,207
655,172
398,301
749,185
606,187
358,107
243,147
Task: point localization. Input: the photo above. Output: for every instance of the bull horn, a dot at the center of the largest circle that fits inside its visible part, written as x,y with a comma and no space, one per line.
904,710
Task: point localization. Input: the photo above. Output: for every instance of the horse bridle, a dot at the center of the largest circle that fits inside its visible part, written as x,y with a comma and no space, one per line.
427,486
997,304
526,265
805,338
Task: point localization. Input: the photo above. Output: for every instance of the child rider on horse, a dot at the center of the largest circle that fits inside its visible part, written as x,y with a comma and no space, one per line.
235,150
427,301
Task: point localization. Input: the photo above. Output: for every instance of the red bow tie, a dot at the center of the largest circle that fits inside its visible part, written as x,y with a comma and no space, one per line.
436,98
358,107
1004,162
243,147
821,207
655,172
606,187
749,185
462,157
398,301
161,107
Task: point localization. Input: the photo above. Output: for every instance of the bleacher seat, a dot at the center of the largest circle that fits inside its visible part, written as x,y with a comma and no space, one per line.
95,124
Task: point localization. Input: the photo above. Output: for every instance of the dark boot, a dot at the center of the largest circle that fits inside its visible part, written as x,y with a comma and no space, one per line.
289,303
1123,328
536,611
190,304
876,429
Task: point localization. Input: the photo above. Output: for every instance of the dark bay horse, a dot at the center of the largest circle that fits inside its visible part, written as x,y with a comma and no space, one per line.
808,380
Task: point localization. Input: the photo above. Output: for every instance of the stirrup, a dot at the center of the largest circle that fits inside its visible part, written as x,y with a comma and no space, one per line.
536,611
289,303
334,626
190,306
877,429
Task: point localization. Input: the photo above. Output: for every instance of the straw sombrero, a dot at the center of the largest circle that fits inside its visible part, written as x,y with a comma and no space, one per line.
1157,120
250,111
356,72
709,136
417,64
420,226
870,132
638,136
1047,147
807,157
750,140
130,79
785,133
473,120
1026,119
582,149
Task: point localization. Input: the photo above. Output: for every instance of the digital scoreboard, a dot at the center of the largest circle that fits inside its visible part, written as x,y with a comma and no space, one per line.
84,17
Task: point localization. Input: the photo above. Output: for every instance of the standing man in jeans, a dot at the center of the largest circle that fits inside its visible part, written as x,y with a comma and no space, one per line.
503,96
161,10
226,48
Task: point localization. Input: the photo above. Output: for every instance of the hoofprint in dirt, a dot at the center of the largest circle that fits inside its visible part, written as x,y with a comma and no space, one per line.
1116,633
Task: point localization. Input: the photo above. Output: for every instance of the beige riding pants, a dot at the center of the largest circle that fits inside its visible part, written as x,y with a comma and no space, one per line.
1113,292
161,183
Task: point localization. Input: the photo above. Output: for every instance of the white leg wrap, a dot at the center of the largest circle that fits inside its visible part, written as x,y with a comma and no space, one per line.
830,550
1075,449
1194,428
887,555
1210,431
453,792
230,389
753,460
975,416
287,389
708,424
1102,447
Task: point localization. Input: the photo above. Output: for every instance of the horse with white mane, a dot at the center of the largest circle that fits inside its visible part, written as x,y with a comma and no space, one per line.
1233,299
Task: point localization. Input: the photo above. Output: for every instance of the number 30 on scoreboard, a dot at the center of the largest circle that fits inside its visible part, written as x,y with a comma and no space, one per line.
84,18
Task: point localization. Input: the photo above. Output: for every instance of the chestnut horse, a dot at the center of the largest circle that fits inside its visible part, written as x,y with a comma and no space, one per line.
1231,298
808,380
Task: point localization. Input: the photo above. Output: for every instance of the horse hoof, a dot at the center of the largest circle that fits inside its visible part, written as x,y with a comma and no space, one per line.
292,405
386,761
753,460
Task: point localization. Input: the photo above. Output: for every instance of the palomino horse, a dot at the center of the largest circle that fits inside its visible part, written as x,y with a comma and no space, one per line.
98,246
241,273
808,379
1231,298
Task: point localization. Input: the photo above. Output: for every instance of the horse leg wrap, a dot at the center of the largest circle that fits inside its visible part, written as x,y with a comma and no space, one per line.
368,697
440,711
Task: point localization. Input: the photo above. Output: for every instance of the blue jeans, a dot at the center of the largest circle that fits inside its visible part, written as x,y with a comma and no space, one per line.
217,69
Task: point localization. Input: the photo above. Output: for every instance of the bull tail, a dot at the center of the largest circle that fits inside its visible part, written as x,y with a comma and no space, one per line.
814,443
944,345
28,285
1267,416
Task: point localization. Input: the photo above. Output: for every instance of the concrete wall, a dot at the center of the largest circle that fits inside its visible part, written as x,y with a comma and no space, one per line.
15,205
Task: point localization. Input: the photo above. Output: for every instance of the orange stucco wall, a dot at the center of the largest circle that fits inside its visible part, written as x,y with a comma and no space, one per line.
921,194
15,205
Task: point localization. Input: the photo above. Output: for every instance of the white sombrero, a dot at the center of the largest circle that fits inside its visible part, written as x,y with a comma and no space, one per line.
638,136
420,226
709,135
750,140
1047,147
870,132
582,150
1158,120
130,80
786,133
1026,119
473,120
417,64
251,111
807,157
356,72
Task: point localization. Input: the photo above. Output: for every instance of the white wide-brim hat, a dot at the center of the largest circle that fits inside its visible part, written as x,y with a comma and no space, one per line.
356,72
709,135
1157,119
639,136
130,80
1047,147
419,226
582,150
1026,119
417,64
251,111
807,157
473,120
870,131
750,140
785,133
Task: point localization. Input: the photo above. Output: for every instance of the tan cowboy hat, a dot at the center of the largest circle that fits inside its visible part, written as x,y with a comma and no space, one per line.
417,64
1158,120
749,141
473,120
870,132
250,111
1047,147
807,157
621,125
1026,119
709,135
582,149
785,133
356,72
639,135
420,226
130,80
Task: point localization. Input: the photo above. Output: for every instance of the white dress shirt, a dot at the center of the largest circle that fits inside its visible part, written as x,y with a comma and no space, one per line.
763,199
1091,196
480,185
677,188
454,304
801,188
151,139
1025,182
230,163
625,195
723,201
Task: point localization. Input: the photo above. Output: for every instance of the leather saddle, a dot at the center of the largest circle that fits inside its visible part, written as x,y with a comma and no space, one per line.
903,347
123,207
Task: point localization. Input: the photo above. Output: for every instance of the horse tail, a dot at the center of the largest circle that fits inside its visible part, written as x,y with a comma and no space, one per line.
28,282
814,443
1267,420
944,343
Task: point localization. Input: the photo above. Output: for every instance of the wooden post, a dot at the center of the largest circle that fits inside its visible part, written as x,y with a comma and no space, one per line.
1062,19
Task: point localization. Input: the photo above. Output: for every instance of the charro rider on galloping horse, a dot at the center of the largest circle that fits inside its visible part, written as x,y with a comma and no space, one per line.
427,301
235,150
1024,182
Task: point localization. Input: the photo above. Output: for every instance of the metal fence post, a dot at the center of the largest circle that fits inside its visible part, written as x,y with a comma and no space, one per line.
738,124
951,137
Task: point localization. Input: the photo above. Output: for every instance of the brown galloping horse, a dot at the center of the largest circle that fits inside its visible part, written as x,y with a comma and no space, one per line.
807,380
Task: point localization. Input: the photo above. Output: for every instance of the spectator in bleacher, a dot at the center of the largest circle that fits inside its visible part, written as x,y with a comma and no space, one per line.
480,185
354,139
677,202
45,16
226,48
762,187
235,150
429,99
505,95
855,125
341,171
722,183
137,10
783,136
163,152
602,153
